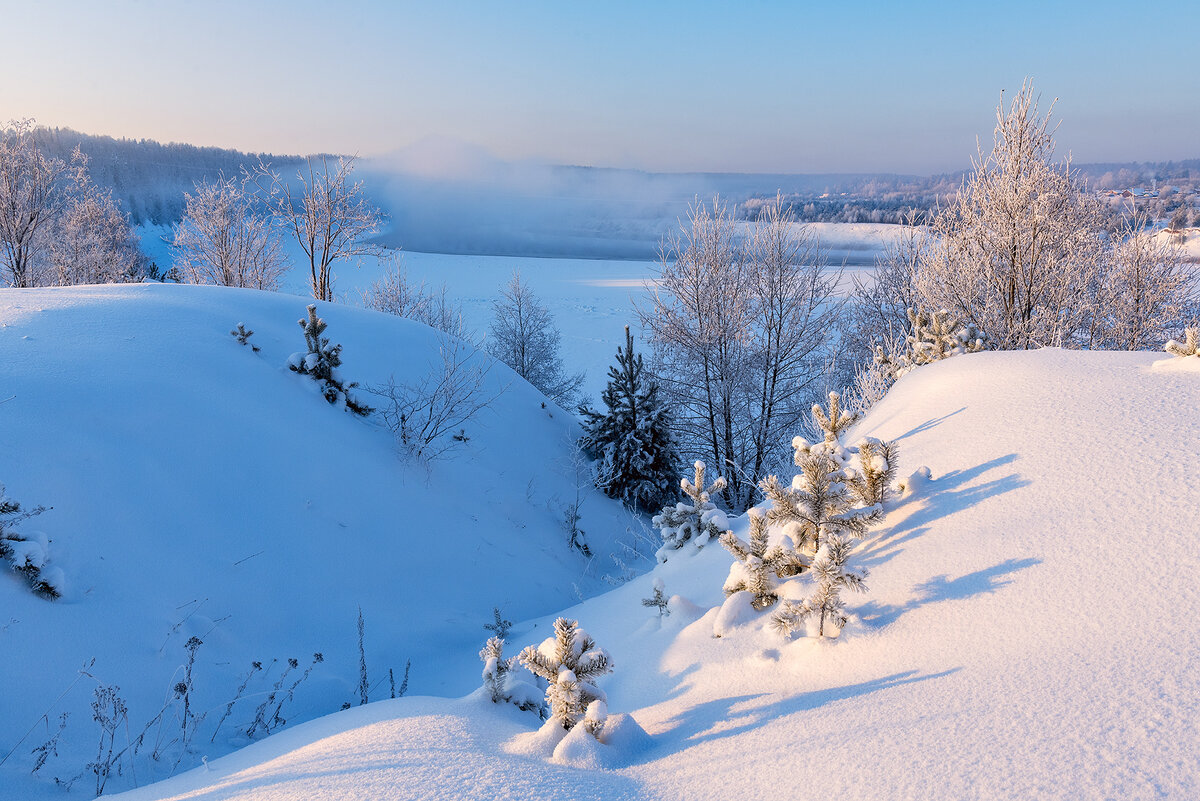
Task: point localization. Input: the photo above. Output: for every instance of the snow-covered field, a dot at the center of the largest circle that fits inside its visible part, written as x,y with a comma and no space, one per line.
591,299
1029,629
201,489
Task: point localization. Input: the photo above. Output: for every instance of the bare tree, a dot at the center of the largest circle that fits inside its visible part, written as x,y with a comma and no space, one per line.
877,311
1148,291
226,238
428,416
741,332
1019,250
524,337
394,293
328,214
91,240
29,200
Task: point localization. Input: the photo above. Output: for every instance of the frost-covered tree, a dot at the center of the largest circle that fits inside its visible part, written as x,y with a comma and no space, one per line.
877,461
226,237
30,200
631,439
27,555
658,600
90,239
741,329
1189,347
834,420
500,683
697,522
321,361
759,563
931,338
571,662
327,213
524,337
394,293
876,315
818,502
825,604
1019,251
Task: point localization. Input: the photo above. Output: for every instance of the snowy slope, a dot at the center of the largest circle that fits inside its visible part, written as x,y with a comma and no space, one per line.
1029,631
200,489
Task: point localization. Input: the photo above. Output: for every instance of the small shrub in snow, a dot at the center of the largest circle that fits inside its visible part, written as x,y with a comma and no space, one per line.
501,685
27,555
877,462
501,626
758,564
697,522
659,600
242,335
571,662
825,603
931,338
1189,347
322,361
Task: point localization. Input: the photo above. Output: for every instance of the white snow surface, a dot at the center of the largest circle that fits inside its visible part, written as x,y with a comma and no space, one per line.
201,489
1029,631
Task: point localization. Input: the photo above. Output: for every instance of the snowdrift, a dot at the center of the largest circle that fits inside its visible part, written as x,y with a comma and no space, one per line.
1029,631
200,489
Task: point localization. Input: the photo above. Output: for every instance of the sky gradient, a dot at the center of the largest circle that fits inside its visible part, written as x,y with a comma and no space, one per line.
752,86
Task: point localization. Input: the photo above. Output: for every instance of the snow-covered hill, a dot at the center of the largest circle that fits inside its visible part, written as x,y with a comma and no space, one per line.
1029,631
201,489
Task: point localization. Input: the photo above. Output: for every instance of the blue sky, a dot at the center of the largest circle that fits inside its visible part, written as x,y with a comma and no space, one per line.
749,86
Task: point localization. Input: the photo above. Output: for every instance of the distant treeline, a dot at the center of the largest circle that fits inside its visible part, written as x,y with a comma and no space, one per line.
149,178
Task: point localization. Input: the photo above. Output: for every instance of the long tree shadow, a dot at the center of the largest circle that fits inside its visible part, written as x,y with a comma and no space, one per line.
718,718
941,497
930,423
943,588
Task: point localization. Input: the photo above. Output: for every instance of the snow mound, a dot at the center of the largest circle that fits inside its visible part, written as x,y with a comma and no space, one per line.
201,489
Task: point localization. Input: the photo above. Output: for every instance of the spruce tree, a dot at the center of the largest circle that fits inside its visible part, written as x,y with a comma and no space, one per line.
322,361
632,439
571,662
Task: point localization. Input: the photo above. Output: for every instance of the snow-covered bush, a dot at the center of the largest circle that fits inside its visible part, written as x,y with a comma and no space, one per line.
759,564
825,603
501,685
27,554
697,522
1189,347
571,662
931,338
242,335
322,361
658,600
876,472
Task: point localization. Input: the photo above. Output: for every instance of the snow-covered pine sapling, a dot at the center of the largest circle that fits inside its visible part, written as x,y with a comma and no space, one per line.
817,503
1189,347
876,471
571,662
496,668
659,600
938,336
829,570
835,421
322,361
27,555
501,626
242,335
697,522
758,564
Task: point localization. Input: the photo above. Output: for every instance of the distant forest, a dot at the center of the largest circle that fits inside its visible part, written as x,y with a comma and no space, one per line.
147,177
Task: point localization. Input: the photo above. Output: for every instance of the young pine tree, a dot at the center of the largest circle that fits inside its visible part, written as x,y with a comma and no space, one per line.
825,603
322,361
632,439
697,522
758,564
571,662
876,471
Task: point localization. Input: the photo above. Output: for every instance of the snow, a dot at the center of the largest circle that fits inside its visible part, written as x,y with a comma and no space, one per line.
1028,632
201,489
